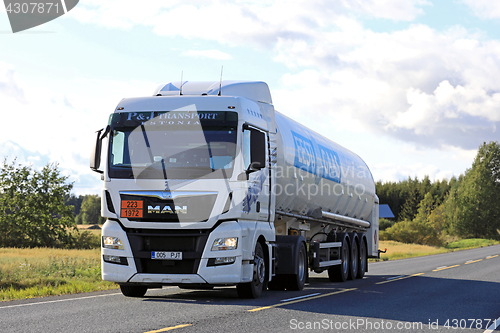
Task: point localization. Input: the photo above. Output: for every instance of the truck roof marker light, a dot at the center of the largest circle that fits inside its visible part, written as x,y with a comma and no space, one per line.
120,108
231,107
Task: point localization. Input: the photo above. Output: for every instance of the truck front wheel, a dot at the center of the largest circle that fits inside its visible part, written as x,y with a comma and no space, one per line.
133,291
254,289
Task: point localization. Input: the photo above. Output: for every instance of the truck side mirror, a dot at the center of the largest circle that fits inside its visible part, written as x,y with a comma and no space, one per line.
95,155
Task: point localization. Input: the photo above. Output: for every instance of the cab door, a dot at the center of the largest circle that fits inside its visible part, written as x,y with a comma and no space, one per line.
255,153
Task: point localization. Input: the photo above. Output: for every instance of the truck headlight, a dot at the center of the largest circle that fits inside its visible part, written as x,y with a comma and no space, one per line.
221,244
114,243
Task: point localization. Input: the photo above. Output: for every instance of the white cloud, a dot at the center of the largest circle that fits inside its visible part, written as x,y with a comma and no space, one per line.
485,9
388,172
397,10
240,22
210,54
418,85
9,86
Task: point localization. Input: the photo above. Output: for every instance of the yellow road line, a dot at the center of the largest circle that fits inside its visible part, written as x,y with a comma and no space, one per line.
492,256
262,308
443,268
473,261
301,300
401,278
169,328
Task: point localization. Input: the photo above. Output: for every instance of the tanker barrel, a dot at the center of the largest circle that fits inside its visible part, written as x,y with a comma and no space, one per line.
361,223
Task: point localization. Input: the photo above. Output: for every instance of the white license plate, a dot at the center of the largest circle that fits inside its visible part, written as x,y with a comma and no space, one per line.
165,255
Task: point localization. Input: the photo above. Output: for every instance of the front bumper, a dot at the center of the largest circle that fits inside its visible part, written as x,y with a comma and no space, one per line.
193,269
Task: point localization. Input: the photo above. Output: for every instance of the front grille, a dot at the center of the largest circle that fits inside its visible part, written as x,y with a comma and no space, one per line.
170,243
190,242
169,266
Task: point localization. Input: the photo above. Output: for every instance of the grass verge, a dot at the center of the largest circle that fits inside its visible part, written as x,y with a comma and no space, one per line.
397,250
27,273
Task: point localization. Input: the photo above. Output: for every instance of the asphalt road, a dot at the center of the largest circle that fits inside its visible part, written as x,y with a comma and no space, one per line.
453,292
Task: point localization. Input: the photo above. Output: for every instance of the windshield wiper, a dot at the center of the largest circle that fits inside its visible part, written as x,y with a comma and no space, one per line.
151,153
164,169
147,143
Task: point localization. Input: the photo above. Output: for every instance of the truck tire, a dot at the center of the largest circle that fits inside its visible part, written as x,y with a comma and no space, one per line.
354,262
297,281
340,273
133,291
363,258
254,288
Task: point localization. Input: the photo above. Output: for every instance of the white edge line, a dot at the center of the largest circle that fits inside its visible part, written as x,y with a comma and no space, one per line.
493,326
57,301
299,297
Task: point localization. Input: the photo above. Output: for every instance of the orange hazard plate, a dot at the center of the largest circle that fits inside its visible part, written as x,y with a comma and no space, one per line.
132,208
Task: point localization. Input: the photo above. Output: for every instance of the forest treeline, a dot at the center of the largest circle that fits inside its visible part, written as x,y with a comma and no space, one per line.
430,213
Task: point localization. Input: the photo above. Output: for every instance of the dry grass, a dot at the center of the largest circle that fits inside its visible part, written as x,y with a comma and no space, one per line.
27,273
397,250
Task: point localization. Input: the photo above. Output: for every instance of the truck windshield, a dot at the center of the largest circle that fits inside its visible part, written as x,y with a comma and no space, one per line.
172,145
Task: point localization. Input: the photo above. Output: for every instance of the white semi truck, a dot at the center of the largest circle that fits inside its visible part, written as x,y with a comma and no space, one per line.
205,185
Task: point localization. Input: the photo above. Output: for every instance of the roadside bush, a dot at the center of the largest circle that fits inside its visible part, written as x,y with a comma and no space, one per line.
385,223
416,232
84,240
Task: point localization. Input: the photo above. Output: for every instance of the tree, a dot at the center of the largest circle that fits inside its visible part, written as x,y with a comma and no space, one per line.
90,212
473,207
33,212
410,207
75,201
419,230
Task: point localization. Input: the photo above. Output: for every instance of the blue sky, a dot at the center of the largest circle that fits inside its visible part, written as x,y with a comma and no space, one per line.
411,86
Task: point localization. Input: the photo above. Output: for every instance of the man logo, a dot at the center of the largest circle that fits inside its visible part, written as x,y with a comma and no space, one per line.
26,14
167,210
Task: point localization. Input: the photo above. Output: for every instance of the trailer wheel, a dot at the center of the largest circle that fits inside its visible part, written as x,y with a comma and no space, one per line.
363,258
254,288
297,281
340,272
354,262
133,291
